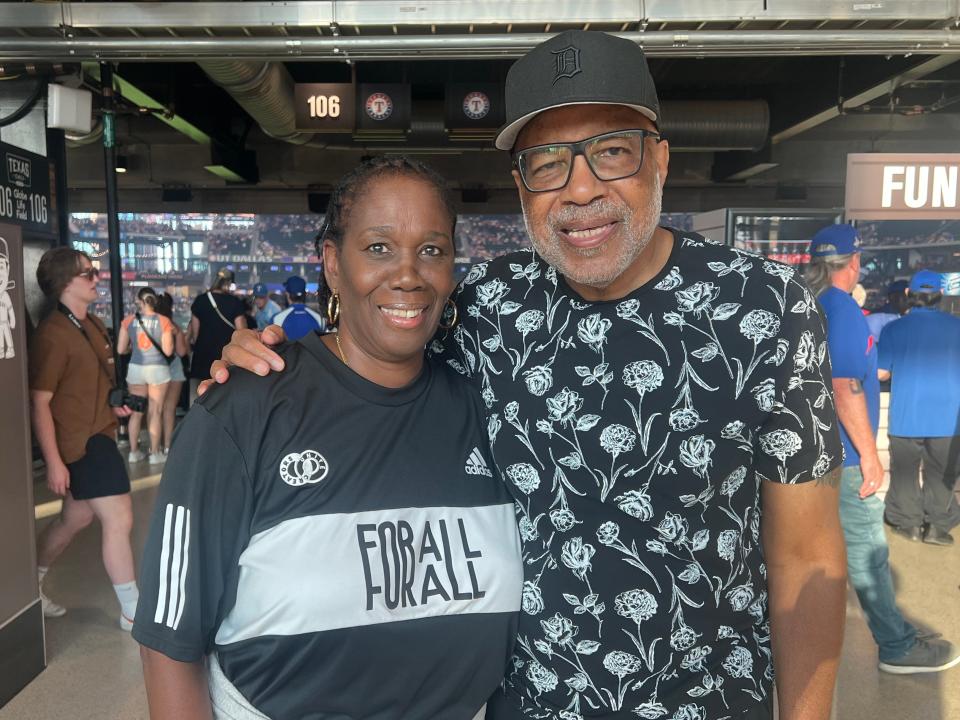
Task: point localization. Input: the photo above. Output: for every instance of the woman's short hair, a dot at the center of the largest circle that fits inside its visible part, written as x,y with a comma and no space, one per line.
57,269
351,188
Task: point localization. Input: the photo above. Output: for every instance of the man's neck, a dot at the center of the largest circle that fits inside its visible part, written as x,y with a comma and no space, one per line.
646,266
77,307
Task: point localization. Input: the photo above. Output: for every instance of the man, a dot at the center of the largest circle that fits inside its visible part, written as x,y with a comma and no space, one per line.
641,384
833,272
921,352
71,375
894,308
297,320
267,309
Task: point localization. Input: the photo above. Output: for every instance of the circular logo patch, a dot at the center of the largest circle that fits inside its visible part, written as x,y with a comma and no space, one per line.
306,468
476,106
379,106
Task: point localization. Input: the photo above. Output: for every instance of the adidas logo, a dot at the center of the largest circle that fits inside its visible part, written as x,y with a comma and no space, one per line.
476,465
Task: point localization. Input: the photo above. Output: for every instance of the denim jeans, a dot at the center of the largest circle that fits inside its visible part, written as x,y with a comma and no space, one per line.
868,567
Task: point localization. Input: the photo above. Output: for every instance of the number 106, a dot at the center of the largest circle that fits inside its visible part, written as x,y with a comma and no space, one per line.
322,106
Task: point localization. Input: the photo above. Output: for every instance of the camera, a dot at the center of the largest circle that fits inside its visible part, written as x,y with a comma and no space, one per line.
119,397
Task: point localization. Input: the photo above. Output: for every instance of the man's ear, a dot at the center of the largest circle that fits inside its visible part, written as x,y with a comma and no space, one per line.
331,265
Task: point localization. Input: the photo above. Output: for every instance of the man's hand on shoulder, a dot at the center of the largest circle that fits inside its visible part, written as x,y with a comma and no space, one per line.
250,350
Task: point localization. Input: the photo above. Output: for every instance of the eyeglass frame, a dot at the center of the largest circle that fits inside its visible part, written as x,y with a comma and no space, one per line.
90,273
578,149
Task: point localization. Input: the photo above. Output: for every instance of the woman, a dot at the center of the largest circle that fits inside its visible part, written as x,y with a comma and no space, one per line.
175,387
333,539
215,315
149,336
71,374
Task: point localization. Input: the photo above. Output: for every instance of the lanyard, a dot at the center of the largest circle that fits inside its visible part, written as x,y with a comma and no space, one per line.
114,381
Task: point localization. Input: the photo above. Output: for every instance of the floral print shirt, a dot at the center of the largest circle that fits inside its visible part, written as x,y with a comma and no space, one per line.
634,435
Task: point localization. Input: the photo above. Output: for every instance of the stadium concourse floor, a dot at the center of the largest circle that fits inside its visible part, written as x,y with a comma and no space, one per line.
93,670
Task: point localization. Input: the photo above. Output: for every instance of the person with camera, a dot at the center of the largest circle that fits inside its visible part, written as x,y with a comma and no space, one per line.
74,409
148,337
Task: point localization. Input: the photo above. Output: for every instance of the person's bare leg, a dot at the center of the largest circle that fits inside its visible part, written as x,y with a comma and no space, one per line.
74,517
135,423
170,402
156,394
115,513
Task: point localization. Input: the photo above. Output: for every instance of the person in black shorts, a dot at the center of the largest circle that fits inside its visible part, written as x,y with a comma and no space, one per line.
71,374
335,541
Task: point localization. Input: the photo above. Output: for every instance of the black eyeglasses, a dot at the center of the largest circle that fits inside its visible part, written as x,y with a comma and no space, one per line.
90,273
611,156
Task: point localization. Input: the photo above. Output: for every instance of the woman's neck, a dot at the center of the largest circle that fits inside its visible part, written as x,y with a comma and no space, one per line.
379,372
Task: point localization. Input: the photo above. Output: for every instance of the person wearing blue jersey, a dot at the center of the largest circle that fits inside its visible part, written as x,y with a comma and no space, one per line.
298,320
920,353
267,309
833,272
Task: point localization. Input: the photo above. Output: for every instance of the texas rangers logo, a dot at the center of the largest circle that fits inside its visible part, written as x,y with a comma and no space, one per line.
305,468
379,106
568,62
476,106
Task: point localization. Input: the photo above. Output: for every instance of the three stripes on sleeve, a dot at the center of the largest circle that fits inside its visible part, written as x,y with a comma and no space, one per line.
174,558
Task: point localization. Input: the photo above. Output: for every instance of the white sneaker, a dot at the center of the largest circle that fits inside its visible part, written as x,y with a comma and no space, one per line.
125,623
136,456
157,458
50,608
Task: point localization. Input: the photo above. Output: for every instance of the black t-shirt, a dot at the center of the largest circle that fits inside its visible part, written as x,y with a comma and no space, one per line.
346,549
214,332
634,434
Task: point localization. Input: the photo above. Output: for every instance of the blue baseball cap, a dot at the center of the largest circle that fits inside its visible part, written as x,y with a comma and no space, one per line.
295,285
835,240
926,281
260,290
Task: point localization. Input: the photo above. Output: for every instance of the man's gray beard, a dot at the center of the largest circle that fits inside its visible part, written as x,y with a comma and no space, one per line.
547,242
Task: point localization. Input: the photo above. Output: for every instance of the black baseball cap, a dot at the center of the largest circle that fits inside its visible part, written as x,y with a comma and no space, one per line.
577,67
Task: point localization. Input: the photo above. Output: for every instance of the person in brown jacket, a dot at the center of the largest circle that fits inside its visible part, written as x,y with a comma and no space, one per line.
71,375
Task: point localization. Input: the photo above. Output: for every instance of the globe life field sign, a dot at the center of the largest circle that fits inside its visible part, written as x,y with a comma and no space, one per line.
894,186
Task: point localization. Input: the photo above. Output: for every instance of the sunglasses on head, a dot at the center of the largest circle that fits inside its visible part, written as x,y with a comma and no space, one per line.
89,273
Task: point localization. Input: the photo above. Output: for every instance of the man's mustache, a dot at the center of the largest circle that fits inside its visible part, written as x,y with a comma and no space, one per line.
600,209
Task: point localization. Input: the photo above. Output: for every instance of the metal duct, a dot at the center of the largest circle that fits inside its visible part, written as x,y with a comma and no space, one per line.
264,90
715,124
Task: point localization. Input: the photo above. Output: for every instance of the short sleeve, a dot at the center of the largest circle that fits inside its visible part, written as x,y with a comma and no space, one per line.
848,337
800,439
48,362
885,347
200,525
165,324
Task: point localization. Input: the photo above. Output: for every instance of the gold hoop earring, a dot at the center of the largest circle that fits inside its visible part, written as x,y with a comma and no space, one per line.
333,309
449,304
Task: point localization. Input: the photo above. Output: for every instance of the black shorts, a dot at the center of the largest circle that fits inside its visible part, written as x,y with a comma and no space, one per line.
100,472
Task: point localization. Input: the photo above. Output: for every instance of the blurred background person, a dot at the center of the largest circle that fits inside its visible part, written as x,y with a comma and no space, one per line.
920,354
148,337
832,274
298,320
177,377
267,309
215,314
893,309
71,374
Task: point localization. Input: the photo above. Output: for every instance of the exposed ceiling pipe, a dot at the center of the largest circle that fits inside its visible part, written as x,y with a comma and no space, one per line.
702,125
264,90
75,140
740,43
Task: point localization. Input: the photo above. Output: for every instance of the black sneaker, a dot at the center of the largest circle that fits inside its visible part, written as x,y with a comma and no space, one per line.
936,536
926,656
910,533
